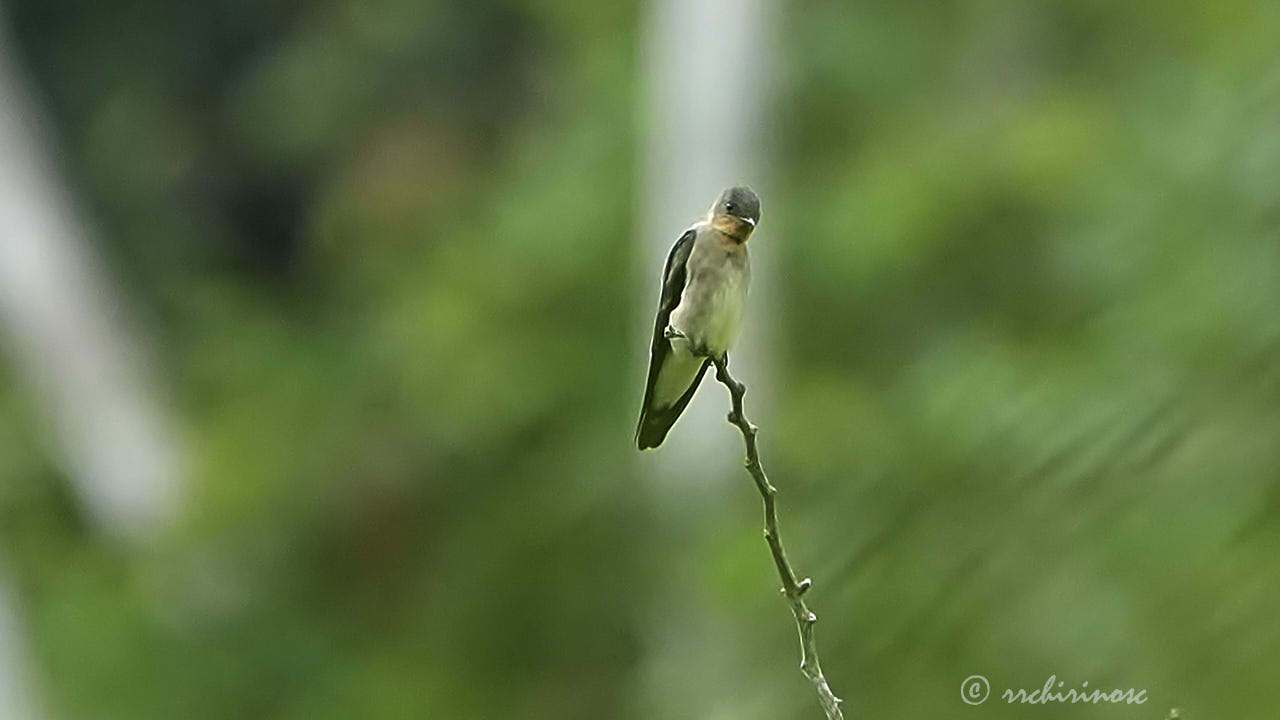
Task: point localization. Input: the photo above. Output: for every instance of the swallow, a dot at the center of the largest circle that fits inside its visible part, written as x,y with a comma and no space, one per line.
700,311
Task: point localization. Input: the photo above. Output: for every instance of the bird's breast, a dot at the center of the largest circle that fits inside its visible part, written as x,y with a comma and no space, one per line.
714,299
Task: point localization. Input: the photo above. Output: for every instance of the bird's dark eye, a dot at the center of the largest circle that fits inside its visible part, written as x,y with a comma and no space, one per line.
728,207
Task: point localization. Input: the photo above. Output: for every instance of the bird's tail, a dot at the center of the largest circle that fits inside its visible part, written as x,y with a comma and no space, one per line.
655,423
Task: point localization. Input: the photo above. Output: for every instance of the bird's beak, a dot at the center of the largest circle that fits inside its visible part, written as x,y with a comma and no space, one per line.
748,221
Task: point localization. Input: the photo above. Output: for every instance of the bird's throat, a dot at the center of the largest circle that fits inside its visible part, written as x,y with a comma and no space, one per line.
736,229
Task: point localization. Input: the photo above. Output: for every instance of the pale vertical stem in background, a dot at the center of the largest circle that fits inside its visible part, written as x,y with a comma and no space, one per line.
65,325
707,64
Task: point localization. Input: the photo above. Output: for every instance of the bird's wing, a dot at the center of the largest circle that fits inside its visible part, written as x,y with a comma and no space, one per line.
673,277
651,430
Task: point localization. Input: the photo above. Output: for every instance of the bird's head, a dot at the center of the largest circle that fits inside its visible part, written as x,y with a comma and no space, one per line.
736,212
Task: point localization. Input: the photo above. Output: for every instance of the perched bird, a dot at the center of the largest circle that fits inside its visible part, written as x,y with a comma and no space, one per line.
704,294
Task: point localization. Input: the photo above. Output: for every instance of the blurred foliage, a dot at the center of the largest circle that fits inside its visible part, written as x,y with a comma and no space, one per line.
1027,389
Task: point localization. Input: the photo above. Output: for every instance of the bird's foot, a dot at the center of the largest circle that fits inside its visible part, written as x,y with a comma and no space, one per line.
671,333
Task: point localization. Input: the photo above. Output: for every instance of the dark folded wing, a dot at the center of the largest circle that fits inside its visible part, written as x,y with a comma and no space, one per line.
673,280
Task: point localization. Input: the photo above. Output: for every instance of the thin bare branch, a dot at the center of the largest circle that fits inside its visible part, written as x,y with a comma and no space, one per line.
792,589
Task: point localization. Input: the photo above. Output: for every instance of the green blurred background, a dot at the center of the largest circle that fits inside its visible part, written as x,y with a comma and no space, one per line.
1024,397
